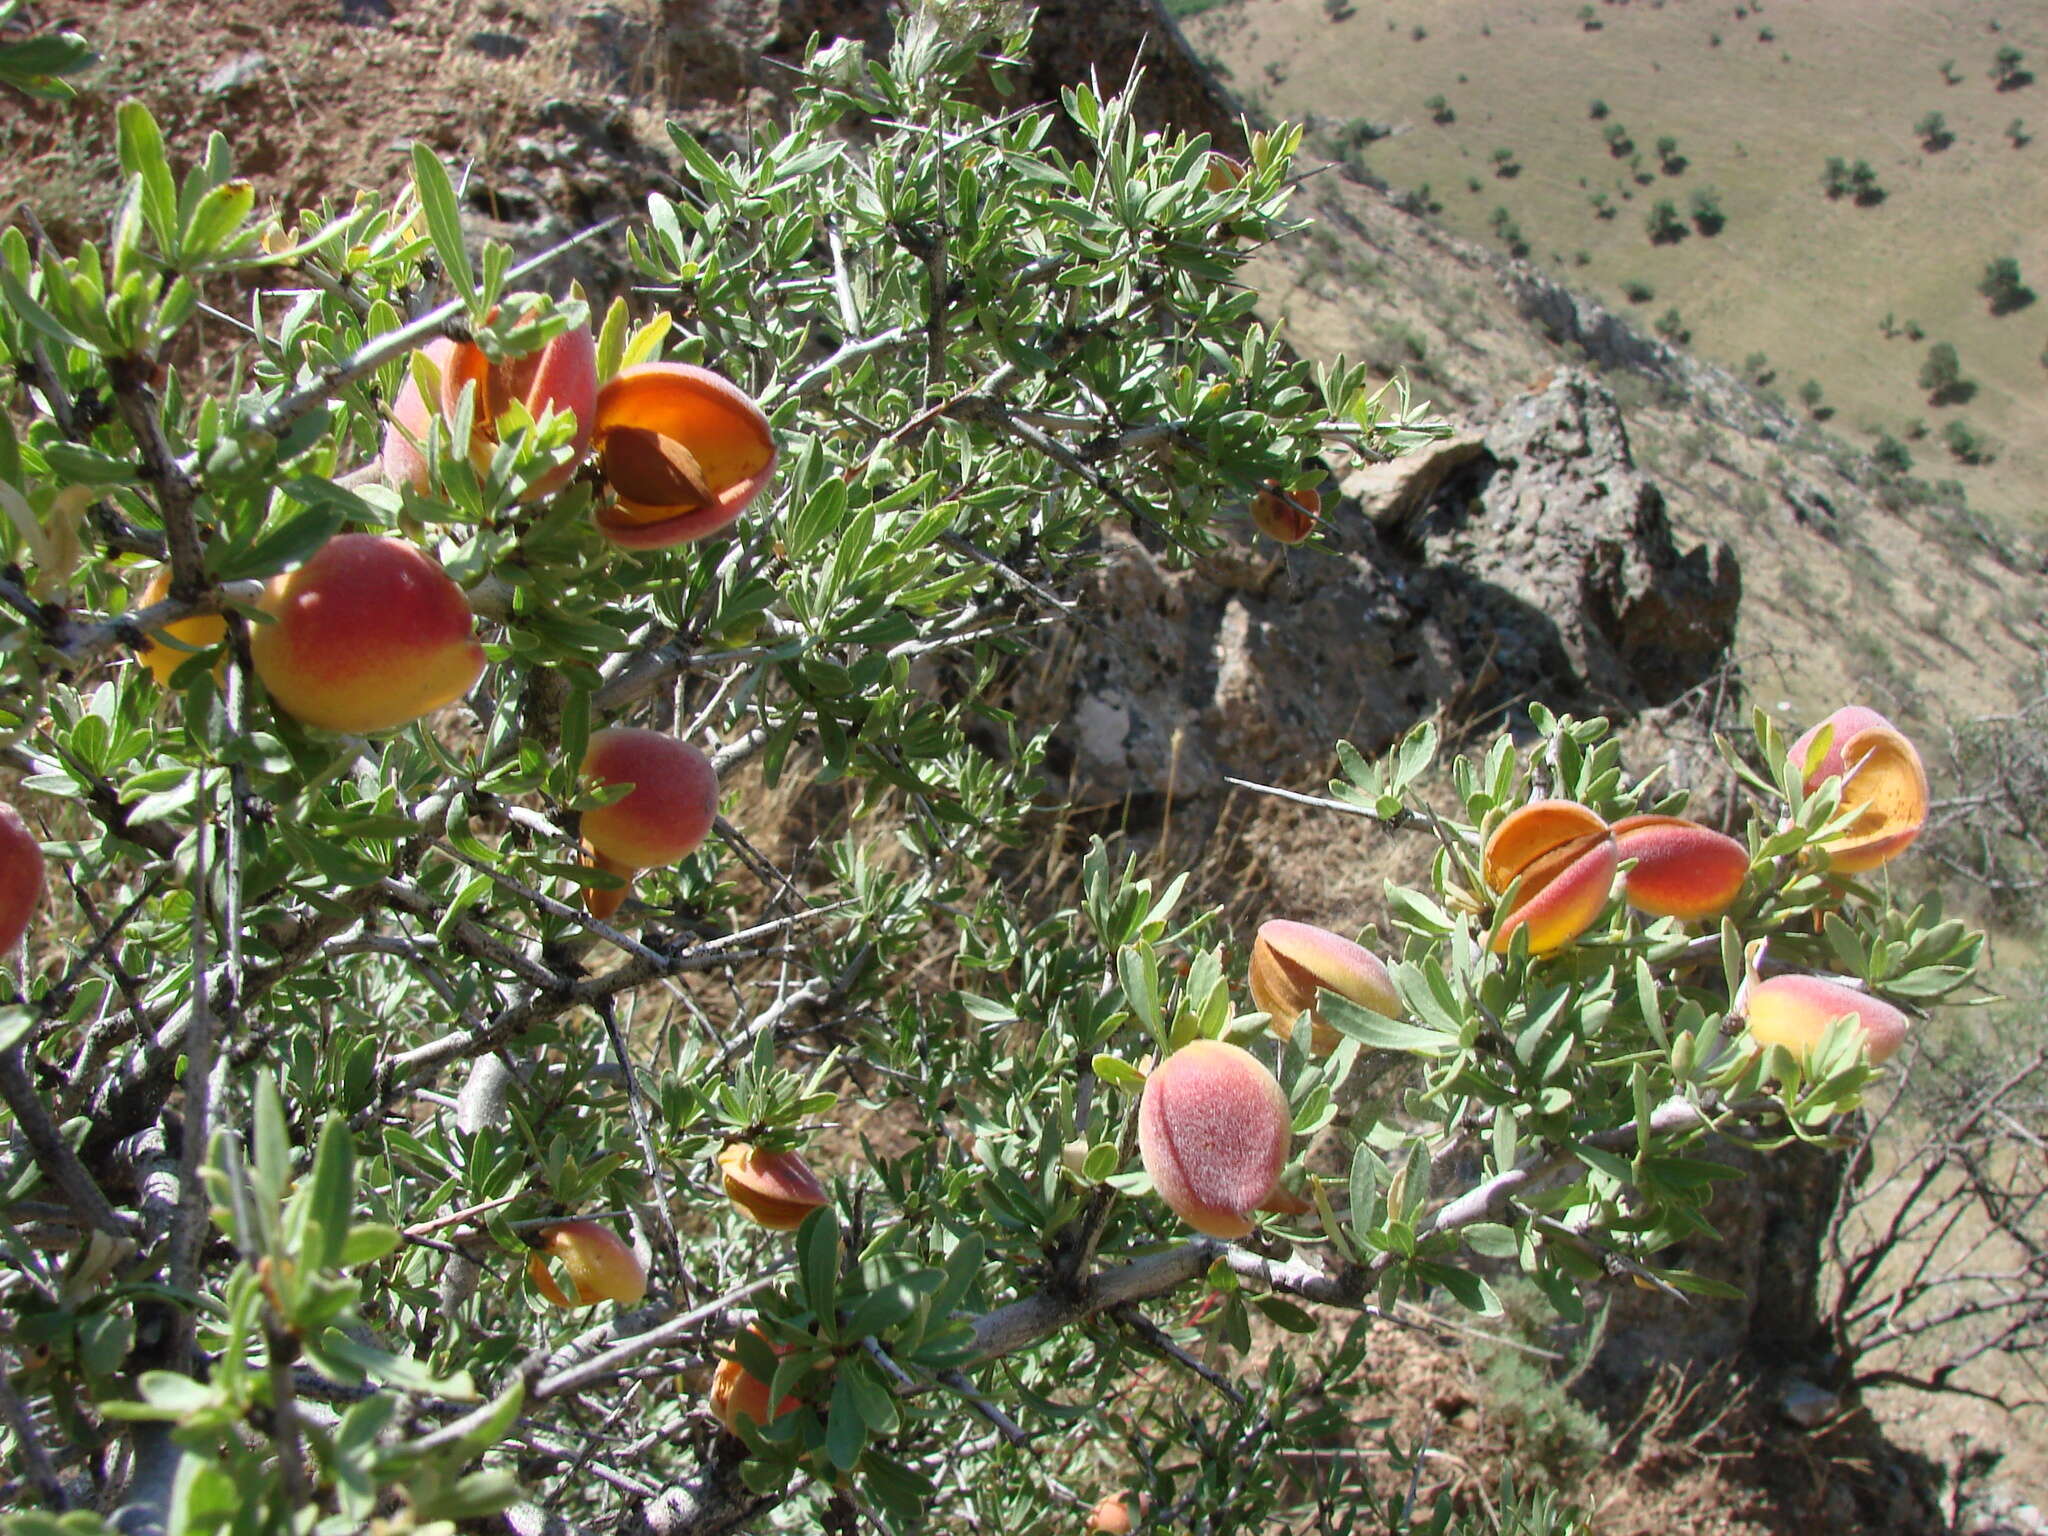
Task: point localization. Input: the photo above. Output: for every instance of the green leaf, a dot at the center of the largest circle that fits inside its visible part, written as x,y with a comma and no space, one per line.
142,155
1285,1313
444,219
1357,1022
367,1242
846,1433
218,217
1118,1073
817,1242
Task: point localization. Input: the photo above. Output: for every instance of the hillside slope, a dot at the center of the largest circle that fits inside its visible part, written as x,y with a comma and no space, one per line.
1753,100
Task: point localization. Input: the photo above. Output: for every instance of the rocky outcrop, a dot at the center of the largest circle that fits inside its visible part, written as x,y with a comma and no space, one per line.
1526,559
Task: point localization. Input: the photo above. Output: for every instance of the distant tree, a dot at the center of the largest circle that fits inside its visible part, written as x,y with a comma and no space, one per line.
1474,184
2002,286
1915,429
1664,225
2016,130
1603,208
1766,35
1339,10
1915,332
1888,327
1505,165
1713,39
1863,184
1810,394
1966,442
1891,455
1757,368
1835,178
1933,132
1582,258
1942,376
1668,155
1671,326
1948,72
1619,144
1636,291
1440,110
2007,68
1707,216
1596,109
1419,32
1589,18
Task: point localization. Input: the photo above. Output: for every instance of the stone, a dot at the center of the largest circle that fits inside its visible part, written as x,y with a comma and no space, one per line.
1807,1405
1389,494
239,73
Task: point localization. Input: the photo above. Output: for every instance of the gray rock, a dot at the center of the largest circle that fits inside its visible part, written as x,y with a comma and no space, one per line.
239,73
1529,559
1807,1405
1392,493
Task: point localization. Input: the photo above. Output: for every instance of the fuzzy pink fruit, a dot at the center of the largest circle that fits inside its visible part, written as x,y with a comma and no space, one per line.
21,878
368,634
1795,1011
1682,869
668,811
1213,1130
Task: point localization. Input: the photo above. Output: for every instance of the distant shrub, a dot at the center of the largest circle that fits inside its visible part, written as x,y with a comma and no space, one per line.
1834,177
1668,156
1671,326
1942,376
1602,207
1766,35
1505,165
1810,395
1948,72
1589,18
2002,286
1863,185
1891,455
1619,144
1915,332
1474,184
1440,110
1508,232
1339,10
1419,32
1664,225
1596,109
1582,258
2016,130
1757,368
1933,133
1707,216
1966,442
1636,291
2008,68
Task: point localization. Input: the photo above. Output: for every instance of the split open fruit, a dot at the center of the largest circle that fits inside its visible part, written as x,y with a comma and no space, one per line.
683,452
1564,856
1883,783
561,376
1290,961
